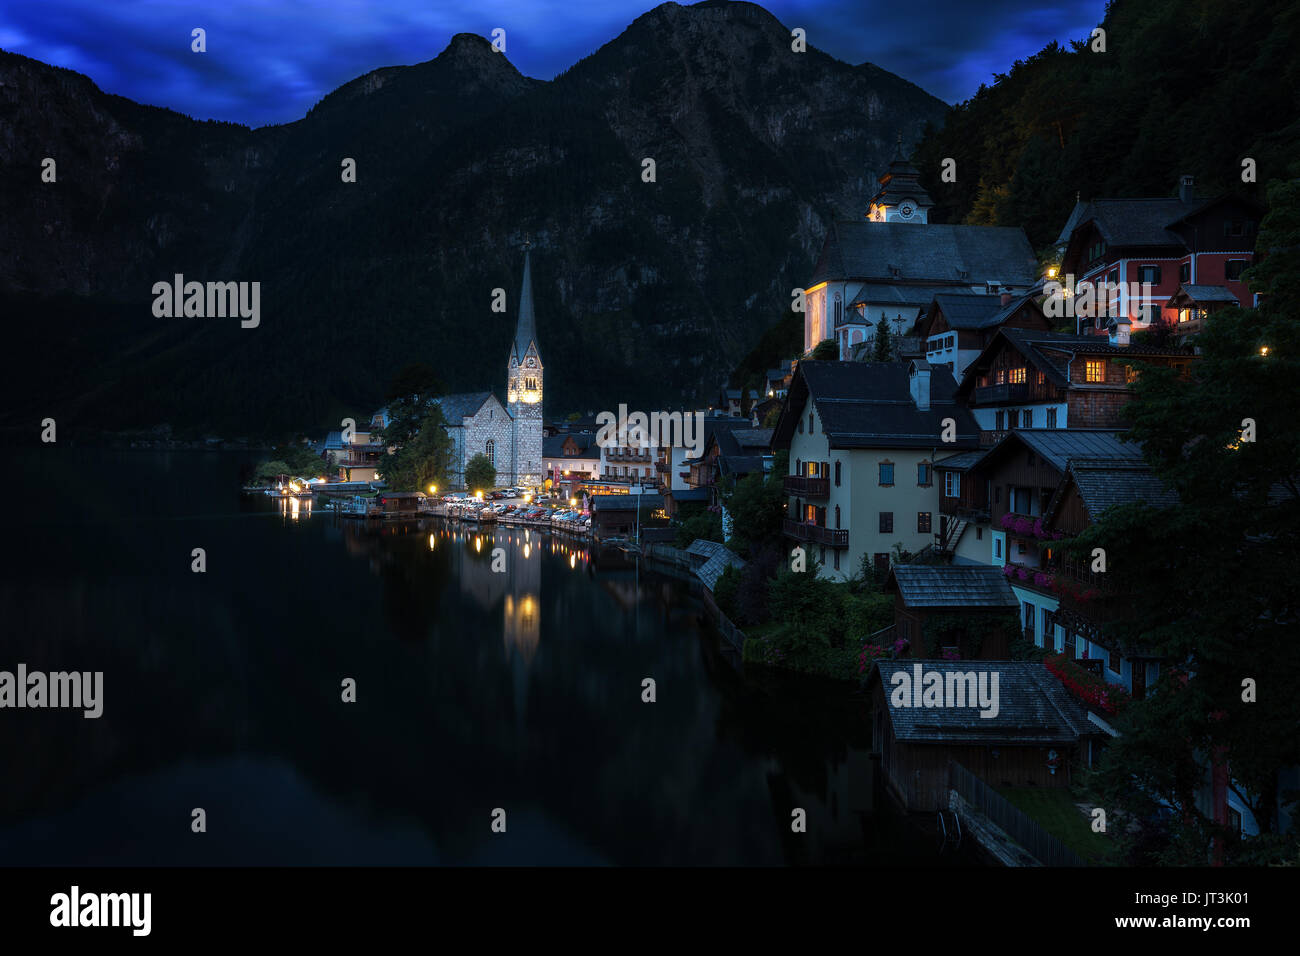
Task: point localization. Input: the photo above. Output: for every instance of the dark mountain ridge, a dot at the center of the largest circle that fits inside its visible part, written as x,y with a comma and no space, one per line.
645,291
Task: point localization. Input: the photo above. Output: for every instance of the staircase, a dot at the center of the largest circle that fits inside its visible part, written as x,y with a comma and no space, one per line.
951,534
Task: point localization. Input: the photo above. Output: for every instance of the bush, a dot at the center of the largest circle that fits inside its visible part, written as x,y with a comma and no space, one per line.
724,592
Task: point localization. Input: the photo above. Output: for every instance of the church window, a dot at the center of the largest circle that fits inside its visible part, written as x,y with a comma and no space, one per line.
839,309
491,452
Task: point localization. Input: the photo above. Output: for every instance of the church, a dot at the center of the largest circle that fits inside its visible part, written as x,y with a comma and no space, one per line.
889,265
509,434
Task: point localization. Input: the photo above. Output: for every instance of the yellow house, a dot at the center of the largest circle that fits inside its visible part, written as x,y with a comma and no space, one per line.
862,439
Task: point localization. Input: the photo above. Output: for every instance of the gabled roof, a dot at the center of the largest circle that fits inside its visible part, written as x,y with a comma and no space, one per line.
553,447
456,408
719,561
1104,483
1059,446
952,585
1033,706
1202,294
869,405
1136,222
967,311
858,249
961,461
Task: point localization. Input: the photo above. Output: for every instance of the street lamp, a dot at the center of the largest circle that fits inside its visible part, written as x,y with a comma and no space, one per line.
433,489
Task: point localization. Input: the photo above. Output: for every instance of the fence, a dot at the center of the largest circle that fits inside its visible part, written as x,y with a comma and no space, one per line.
1044,847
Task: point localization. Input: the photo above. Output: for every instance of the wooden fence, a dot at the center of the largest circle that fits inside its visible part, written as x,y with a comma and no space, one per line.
1044,847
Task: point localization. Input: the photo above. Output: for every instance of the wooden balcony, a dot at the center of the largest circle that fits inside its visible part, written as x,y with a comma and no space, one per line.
807,487
837,538
996,394
959,508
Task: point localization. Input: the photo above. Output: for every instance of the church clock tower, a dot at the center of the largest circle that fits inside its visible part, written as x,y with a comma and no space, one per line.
901,197
524,389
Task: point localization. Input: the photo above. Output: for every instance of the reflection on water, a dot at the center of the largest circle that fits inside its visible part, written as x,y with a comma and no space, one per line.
477,688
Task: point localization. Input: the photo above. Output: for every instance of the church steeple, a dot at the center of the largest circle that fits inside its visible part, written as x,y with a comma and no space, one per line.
901,197
526,330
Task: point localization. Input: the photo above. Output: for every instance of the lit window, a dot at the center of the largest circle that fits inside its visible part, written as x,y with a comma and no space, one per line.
1017,376
1095,371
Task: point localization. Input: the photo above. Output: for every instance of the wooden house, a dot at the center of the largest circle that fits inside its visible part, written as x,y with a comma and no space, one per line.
969,599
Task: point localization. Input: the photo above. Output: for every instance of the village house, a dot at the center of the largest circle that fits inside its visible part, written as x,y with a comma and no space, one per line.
957,328
1026,378
862,441
890,266
950,609
1170,243
1037,737
570,458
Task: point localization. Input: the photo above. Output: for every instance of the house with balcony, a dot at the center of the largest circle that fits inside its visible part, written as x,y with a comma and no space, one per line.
947,610
1166,242
1190,306
1026,378
956,328
631,464
862,439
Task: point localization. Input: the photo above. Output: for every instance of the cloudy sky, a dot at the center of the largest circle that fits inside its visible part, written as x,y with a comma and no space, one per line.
269,61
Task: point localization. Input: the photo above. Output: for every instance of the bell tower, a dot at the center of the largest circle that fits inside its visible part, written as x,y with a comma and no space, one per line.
524,381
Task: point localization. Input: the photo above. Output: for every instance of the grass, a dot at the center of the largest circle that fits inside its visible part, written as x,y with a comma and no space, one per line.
1055,811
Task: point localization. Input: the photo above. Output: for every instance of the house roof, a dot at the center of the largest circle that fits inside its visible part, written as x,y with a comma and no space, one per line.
704,548
1203,293
952,585
1136,222
961,461
553,447
858,249
1058,446
689,494
719,561
1033,706
1104,483
626,502
968,311
461,405
876,293
869,405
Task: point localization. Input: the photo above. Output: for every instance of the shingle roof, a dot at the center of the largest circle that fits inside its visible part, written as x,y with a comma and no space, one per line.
1137,222
876,293
968,311
719,561
934,252
1206,293
869,405
1102,484
961,461
1059,446
953,585
461,405
740,464
1033,706
752,437
704,548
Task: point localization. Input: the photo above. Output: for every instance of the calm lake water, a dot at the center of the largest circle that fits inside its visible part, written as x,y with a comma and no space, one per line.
475,691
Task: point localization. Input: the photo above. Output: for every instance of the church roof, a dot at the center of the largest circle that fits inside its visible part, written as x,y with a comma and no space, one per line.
526,330
937,253
462,405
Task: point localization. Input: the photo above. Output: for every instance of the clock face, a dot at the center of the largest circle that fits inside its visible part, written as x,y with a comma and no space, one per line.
906,210
532,362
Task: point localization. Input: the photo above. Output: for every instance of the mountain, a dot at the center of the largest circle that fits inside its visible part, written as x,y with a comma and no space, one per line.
1182,87
645,292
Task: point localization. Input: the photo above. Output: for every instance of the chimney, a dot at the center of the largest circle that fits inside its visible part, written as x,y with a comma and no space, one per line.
919,381
1006,298
1185,184
1119,329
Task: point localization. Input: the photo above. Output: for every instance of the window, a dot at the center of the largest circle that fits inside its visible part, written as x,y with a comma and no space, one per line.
881,560
839,309
1017,376
1153,310
1149,274
836,554
837,516
886,522
1114,663
886,474
491,451
1112,277
1094,370
1232,269
1013,418
997,548
1130,374
1051,418
951,484
979,533
923,475
1234,228
1000,377
997,495
811,430
1185,272
1028,421
923,522
1049,630
1029,616
810,514
998,420
837,474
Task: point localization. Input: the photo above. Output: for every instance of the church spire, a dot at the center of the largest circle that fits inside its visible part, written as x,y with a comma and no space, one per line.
526,330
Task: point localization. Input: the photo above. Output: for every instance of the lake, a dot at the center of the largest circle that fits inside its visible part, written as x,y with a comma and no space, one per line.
476,691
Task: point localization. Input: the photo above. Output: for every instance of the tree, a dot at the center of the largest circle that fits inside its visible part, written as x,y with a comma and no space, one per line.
757,506
270,470
884,351
480,474
422,461
410,395
826,350
1214,590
